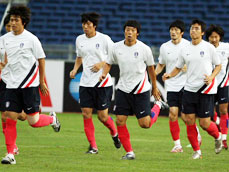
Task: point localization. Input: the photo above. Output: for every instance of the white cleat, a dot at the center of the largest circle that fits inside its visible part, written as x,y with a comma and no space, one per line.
8,159
218,145
177,149
56,123
129,156
196,155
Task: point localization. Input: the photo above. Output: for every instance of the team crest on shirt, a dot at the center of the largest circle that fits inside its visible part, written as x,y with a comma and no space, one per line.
97,46
136,54
223,53
21,45
202,53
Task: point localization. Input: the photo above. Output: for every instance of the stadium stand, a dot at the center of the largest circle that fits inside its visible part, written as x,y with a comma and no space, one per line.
58,21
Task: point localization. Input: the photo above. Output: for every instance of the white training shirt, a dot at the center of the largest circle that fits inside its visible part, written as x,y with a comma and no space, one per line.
132,62
169,53
223,52
199,60
93,50
22,51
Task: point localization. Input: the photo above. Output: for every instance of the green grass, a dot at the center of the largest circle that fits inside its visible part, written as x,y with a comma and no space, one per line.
44,150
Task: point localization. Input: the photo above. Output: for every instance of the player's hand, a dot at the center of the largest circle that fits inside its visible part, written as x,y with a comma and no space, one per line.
44,89
96,67
184,69
72,74
207,79
102,77
166,76
156,93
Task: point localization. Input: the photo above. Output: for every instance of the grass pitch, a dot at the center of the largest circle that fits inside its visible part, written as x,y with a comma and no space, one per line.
43,150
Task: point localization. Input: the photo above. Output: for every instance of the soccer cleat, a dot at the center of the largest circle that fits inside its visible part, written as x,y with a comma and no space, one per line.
163,105
177,149
218,145
56,123
225,144
196,155
117,142
129,156
8,159
92,150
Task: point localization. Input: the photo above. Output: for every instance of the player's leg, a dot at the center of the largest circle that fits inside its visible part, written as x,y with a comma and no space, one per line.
223,110
103,100
205,110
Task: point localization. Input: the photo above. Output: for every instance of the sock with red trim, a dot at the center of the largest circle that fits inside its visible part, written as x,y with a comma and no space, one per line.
192,136
124,138
89,130
223,123
10,135
154,114
3,127
111,126
213,130
44,120
174,129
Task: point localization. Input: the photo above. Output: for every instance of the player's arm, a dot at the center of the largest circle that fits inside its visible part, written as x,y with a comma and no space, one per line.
159,68
96,67
106,70
43,87
208,79
77,65
152,76
172,74
3,64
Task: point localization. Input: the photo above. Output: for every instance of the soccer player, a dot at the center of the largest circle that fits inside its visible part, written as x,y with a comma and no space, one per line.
92,50
24,53
169,53
200,86
22,116
133,95
215,35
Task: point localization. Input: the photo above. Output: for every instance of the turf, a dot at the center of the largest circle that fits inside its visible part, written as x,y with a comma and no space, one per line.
43,150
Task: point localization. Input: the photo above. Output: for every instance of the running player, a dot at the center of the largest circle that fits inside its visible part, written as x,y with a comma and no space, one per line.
23,77
215,35
92,51
133,95
169,53
200,86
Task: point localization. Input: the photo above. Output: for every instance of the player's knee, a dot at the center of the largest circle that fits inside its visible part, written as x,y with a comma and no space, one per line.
173,116
103,118
223,110
120,122
204,125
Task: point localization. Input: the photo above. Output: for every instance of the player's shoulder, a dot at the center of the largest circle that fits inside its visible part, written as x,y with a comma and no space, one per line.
143,45
224,45
209,45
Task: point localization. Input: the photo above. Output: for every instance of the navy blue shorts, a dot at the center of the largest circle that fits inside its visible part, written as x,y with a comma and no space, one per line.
200,104
95,97
222,95
132,104
2,96
27,99
174,99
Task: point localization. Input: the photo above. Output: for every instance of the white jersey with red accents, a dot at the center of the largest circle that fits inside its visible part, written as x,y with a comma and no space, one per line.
93,50
200,60
169,53
132,62
22,51
223,76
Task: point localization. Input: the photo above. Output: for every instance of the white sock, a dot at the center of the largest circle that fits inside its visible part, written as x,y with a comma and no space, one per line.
199,152
159,104
177,143
224,137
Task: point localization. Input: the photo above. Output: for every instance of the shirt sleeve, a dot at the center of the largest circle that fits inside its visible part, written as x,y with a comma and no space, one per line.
161,57
78,51
215,57
37,49
149,57
111,59
109,45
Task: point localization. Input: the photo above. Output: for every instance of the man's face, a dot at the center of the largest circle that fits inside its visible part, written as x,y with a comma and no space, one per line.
8,27
175,33
131,33
214,39
88,27
195,31
16,24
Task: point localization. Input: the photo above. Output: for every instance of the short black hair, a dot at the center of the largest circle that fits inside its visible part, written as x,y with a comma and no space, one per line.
133,23
6,19
179,24
201,23
23,12
92,17
215,28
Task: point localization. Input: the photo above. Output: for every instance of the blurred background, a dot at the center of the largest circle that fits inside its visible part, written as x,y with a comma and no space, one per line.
57,24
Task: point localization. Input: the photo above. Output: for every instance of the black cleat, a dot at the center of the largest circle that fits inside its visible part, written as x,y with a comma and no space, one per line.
117,142
92,150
